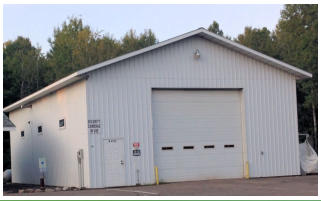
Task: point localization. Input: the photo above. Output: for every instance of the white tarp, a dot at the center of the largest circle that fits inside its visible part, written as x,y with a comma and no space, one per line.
308,158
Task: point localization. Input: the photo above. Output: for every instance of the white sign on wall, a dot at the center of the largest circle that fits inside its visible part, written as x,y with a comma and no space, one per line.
94,126
42,164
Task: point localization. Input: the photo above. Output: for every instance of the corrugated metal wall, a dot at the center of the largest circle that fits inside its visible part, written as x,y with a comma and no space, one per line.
59,146
120,96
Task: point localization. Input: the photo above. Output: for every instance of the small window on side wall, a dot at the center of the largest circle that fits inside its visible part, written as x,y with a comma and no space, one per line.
62,123
39,130
22,133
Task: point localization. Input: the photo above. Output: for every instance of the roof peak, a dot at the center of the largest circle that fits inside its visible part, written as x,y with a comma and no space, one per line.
300,74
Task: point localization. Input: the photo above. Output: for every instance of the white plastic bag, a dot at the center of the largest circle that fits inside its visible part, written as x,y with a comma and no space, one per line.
308,158
7,175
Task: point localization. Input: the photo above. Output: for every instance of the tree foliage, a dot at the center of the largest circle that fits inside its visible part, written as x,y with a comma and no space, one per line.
131,41
261,40
75,46
23,68
215,28
297,39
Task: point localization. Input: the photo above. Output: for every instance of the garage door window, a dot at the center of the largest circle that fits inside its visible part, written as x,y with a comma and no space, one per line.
229,146
188,147
167,148
209,147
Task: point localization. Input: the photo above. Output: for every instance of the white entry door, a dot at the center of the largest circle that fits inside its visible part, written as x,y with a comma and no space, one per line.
197,134
114,162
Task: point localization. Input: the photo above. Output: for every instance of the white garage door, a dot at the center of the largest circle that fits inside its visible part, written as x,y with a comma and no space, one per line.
197,134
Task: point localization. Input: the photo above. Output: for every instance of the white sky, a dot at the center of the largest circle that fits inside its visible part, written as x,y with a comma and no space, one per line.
38,21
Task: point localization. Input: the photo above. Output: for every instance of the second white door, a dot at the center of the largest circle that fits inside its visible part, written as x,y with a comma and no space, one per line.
114,162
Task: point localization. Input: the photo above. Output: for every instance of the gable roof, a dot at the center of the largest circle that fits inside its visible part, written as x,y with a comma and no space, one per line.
201,32
7,124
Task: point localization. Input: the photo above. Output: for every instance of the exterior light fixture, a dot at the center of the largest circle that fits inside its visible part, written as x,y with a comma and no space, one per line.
197,54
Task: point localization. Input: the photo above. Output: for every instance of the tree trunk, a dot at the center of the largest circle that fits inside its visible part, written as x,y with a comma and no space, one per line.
315,128
21,89
37,73
22,77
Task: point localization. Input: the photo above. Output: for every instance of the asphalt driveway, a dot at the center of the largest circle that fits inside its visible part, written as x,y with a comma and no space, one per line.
276,186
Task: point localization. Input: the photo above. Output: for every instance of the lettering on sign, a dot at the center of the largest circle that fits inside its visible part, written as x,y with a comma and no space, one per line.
112,141
94,126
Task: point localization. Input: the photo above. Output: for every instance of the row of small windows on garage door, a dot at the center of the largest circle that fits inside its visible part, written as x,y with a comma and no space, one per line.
192,147
62,124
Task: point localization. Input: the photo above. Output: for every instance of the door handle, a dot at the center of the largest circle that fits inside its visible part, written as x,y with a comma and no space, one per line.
121,162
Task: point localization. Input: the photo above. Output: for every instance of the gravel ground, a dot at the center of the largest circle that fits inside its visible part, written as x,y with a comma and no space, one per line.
273,186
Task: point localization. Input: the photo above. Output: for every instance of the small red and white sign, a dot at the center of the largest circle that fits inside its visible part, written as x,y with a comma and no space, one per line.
136,144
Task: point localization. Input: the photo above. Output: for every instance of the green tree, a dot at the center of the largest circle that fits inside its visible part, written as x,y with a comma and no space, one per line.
75,46
131,42
24,69
71,48
297,41
261,40
215,28
106,48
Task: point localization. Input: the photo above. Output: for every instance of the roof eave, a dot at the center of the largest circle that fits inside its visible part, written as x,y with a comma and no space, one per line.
300,74
43,92
5,128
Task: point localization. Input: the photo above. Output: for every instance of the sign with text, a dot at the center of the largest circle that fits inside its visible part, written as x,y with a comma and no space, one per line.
94,126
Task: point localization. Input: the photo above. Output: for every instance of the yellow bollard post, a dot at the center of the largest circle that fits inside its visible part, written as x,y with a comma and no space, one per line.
247,171
156,175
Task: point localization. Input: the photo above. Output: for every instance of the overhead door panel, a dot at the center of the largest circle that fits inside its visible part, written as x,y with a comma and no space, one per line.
197,134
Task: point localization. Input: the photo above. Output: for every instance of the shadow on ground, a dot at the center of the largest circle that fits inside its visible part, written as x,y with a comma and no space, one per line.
274,186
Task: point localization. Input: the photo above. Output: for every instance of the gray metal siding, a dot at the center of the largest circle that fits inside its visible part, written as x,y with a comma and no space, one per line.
58,145
120,96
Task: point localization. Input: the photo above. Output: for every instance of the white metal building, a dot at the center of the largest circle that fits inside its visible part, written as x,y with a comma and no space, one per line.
197,106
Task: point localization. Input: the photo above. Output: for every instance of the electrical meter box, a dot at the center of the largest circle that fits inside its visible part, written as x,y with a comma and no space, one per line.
80,154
